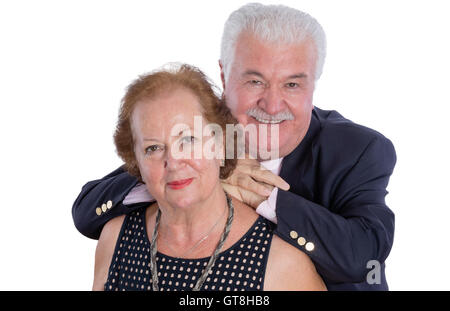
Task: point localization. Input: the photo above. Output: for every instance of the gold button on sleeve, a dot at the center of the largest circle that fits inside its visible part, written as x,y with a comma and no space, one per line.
301,241
309,246
294,234
98,211
109,204
104,207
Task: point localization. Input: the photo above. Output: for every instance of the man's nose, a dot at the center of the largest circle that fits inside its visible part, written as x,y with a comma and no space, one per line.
272,100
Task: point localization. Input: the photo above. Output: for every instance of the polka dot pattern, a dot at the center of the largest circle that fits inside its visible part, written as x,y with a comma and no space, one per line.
239,268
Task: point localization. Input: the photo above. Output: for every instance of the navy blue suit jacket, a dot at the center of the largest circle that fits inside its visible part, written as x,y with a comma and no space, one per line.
338,176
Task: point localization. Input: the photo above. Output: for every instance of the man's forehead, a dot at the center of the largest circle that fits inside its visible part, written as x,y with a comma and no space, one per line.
250,40
256,57
252,49
285,74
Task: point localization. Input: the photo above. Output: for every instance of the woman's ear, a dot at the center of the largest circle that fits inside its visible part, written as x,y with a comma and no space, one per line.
219,150
222,75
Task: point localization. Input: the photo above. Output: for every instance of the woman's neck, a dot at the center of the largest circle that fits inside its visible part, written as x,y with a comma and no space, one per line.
184,227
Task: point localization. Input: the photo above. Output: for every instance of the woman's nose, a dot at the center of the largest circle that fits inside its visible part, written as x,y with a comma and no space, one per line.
174,160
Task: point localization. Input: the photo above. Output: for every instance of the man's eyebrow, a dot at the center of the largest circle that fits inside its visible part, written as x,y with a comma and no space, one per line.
253,73
298,76
301,75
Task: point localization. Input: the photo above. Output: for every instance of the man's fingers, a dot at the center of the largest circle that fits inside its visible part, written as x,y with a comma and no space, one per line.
270,178
252,168
232,190
250,184
250,198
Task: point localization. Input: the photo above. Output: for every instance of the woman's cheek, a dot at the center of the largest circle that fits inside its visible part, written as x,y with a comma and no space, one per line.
212,168
151,175
197,164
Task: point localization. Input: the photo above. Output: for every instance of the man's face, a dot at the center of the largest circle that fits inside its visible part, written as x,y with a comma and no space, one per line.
273,85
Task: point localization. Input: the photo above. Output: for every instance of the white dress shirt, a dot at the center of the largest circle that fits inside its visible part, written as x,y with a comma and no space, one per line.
267,208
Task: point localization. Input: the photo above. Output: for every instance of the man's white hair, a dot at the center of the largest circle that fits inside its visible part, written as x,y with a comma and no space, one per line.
271,23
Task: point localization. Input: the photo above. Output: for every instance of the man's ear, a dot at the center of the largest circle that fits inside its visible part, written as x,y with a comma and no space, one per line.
222,75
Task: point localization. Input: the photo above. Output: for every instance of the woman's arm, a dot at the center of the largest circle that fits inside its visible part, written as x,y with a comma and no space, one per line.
105,251
290,269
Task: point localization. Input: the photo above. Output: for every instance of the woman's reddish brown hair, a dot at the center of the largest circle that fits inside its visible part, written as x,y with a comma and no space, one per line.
150,86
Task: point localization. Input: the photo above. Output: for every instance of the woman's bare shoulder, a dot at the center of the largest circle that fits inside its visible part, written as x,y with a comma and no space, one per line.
244,218
244,211
111,228
288,268
105,250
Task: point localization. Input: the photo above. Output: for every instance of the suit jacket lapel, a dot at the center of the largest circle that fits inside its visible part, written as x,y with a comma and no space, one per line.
298,166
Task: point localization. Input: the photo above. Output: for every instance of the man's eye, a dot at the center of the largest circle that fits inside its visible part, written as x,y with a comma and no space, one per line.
255,82
292,85
151,149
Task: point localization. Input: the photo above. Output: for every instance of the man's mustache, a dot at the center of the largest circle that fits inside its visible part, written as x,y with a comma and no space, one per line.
260,114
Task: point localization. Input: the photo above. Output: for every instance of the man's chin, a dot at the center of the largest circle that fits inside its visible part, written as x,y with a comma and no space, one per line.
262,152
265,152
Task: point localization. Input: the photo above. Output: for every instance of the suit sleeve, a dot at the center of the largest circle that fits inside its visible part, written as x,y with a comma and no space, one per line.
358,227
101,200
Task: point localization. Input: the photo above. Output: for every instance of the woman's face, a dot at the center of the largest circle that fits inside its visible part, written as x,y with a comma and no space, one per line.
165,140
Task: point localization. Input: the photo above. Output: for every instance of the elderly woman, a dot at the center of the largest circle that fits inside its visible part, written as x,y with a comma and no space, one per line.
195,237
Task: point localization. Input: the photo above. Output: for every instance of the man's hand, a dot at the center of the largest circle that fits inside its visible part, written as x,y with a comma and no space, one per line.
251,183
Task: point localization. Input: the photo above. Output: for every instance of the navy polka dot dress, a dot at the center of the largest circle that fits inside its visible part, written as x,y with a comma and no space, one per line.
238,268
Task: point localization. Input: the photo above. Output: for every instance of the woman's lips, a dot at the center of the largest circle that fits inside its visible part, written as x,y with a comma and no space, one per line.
179,184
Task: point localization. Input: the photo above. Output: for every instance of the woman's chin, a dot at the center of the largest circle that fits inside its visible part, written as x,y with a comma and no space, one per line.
189,196
183,198
184,202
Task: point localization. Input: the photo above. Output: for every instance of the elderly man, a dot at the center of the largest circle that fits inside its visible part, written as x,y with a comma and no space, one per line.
334,206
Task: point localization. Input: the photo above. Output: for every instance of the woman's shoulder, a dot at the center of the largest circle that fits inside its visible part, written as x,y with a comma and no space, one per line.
244,215
105,250
243,220
108,237
111,228
243,211
288,268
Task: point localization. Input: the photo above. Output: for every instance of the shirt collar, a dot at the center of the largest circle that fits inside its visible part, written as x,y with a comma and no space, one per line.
273,165
290,163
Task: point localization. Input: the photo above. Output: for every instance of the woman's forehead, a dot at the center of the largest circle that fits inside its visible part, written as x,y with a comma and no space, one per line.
167,114
171,103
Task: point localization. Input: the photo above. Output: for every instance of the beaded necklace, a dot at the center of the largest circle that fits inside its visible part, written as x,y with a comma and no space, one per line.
212,259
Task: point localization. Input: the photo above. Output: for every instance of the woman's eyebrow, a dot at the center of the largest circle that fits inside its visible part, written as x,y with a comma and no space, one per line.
151,139
188,130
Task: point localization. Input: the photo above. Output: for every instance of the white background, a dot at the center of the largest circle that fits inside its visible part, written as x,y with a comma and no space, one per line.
64,66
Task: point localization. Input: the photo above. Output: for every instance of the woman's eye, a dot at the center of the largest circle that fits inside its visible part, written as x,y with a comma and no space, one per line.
188,140
152,149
